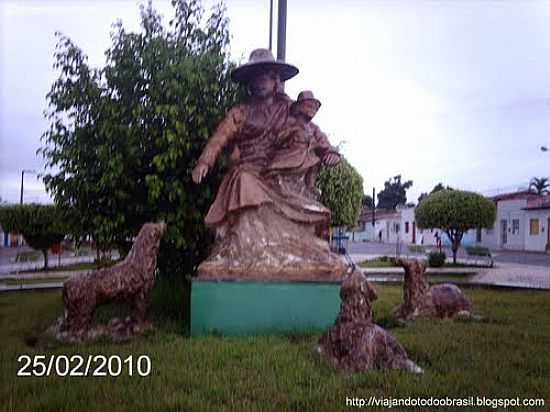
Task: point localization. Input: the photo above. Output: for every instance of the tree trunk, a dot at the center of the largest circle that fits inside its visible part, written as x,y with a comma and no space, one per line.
456,239
45,253
455,249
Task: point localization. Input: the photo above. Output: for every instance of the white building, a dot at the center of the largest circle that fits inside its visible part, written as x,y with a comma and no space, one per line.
391,226
4,238
385,229
522,223
537,224
10,239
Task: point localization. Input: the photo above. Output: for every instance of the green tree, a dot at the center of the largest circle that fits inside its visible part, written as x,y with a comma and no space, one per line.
438,187
341,190
124,138
540,185
367,201
394,193
455,212
42,226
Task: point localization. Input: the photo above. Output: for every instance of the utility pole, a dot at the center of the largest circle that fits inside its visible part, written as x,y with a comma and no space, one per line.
373,207
22,177
270,24
281,34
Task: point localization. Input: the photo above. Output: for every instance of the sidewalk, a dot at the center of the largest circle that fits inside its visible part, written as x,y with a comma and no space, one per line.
503,274
29,266
36,275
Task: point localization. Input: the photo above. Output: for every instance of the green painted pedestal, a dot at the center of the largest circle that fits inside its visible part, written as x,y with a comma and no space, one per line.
235,307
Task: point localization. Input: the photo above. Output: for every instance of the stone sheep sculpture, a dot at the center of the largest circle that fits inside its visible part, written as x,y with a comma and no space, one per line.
355,343
128,281
422,301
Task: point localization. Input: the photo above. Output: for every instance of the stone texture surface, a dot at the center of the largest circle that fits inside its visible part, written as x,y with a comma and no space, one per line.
355,343
129,281
422,301
267,215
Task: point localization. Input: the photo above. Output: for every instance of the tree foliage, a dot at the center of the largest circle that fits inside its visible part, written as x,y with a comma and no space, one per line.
367,201
42,226
124,138
341,190
455,212
437,188
539,185
394,193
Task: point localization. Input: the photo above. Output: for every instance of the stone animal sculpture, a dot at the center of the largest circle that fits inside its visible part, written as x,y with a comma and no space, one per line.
422,301
355,343
128,281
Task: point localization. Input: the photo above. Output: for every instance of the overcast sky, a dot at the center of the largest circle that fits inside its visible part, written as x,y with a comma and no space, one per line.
451,91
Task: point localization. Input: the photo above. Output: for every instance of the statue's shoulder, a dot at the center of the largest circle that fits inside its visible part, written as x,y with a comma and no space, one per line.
283,99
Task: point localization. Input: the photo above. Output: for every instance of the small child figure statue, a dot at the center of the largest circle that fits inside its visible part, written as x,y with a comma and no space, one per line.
302,147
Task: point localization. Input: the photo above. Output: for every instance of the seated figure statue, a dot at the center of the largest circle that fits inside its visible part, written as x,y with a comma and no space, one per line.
265,223
301,146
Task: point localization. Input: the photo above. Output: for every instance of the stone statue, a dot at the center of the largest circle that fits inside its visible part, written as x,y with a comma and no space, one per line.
301,145
266,211
422,301
355,343
128,281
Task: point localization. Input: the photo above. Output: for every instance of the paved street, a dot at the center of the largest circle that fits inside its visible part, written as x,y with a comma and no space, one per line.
389,249
8,264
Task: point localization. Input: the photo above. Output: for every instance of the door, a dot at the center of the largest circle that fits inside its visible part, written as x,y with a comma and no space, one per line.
503,232
414,232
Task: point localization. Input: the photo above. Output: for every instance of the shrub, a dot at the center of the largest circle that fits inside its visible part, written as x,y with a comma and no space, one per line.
417,249
478,251
42,226
436,259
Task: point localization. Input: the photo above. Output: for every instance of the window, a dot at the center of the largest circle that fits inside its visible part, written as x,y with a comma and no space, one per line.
397,228
533,227
406,227
515,226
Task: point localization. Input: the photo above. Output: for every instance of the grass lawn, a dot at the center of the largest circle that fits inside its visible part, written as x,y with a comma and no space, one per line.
503,356
389,262
431,277
378,263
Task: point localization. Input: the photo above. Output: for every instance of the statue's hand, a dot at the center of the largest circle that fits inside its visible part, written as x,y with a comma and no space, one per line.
199,172
331,159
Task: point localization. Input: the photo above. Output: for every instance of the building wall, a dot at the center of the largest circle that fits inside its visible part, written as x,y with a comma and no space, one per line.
4,238
537,242
508,211
407,225
517,235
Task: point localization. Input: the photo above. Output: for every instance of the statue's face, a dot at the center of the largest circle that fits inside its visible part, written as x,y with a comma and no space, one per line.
263,84
308,108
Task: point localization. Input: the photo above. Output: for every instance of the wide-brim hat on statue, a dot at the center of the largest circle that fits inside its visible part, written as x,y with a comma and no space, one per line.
305,96
261,60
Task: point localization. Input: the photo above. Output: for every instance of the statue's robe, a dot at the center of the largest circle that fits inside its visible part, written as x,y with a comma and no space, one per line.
265,222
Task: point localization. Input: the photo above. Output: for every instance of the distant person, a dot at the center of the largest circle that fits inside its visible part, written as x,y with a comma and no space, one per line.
380,236
438,240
